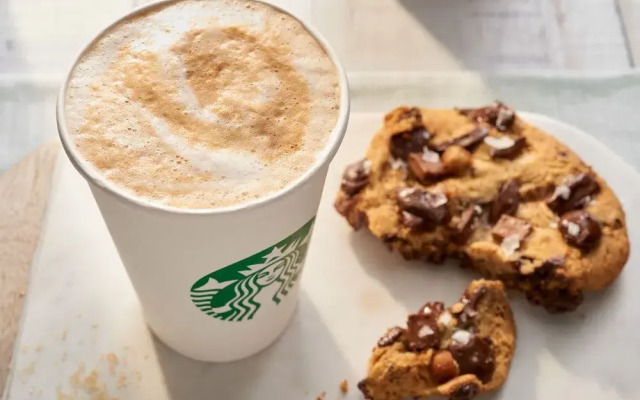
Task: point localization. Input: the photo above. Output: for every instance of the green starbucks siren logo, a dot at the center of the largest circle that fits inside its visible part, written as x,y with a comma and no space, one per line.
230,293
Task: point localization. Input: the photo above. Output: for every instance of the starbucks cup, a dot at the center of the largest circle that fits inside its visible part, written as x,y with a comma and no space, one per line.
215,284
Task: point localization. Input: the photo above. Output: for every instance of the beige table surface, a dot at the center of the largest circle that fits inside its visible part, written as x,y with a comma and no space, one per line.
39,38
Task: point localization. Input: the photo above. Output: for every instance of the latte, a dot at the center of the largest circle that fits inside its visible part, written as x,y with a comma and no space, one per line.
203,103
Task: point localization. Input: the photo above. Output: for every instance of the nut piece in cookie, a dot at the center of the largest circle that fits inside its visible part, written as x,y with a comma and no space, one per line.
457,352
443,366
456,159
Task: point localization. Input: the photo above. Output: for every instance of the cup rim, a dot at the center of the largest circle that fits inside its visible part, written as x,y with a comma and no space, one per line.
93,176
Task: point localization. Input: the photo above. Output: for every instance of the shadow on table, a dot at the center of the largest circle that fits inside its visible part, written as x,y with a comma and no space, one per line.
580,341
483,34
303,363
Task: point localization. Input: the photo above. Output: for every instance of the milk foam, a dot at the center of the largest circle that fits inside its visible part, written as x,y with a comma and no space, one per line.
203,103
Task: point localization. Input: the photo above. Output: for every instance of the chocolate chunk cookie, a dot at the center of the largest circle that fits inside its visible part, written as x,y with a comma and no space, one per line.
484,186
459,352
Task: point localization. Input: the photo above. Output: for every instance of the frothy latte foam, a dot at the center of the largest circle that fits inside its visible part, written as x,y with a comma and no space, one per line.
203,103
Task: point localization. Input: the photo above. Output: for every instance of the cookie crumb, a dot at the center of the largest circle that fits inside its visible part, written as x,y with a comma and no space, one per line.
112,359
344,386
122,381
90,384
63,396
322,395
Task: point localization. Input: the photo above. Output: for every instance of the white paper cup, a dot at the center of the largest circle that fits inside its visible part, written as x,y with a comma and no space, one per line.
217,284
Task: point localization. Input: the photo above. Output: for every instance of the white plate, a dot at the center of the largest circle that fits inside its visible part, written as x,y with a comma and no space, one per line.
81,307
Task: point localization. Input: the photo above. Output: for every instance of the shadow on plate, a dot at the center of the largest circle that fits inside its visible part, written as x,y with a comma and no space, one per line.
302,363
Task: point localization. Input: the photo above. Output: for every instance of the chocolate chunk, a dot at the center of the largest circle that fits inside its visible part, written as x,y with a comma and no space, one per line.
356,177
505,147
436,257
508,226
391,336
422,331
540,276
465,392
506,117
434,308
498,114
556,300
423,170
347,207
574,194
464,227
550,289
549,267
362,386
473,354
467,141
414,222
580,229
471,139
507,201
470,300
470,307
389,237
556,261
404,143
430,206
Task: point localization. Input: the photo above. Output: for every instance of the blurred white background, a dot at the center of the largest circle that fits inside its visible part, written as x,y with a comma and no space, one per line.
39,39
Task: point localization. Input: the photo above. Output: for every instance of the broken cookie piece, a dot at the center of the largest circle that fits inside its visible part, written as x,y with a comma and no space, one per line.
490,189
458,352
